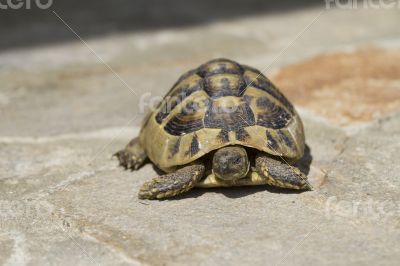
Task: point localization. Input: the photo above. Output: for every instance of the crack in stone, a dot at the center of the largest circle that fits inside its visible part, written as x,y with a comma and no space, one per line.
122,255
106,133
62,185
78,224
334,160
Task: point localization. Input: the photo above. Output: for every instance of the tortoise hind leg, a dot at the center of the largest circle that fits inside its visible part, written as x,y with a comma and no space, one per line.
172,184
132,156
280,174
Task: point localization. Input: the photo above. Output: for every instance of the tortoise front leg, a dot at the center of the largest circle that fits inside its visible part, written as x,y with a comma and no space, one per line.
172,184
133,156
280,174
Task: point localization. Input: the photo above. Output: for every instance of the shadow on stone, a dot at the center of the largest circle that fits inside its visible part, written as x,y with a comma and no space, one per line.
156,169
92,18
233,192
304,163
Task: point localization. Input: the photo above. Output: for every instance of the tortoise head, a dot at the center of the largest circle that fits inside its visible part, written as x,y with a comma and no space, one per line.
230,163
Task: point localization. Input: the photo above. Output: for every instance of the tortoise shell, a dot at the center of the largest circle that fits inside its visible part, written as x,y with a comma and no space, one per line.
218,104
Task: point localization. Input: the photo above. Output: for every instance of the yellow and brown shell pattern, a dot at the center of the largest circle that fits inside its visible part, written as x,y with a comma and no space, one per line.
218,104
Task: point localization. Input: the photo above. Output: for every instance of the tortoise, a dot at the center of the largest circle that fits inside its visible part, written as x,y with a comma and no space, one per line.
222,124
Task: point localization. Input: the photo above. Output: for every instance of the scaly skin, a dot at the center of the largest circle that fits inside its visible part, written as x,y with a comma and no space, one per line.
170,185
280,174
132,156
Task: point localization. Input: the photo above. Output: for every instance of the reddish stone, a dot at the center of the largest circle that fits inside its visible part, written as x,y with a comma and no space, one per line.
345,88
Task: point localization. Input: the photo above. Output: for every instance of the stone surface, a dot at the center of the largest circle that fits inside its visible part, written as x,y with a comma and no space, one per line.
347,87
64,200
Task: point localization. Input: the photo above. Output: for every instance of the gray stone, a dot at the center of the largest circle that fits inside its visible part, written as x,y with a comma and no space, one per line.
65,201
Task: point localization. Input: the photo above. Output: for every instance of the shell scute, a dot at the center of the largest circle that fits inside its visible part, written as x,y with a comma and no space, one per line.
178,94
217,104
219,66
229,113
261,82
221,85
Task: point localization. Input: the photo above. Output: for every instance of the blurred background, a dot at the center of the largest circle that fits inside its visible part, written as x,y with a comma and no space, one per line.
76,78
102,55
35,26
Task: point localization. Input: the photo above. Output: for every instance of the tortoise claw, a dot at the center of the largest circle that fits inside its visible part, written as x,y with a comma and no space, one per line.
172,184
133,156
128,160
